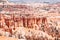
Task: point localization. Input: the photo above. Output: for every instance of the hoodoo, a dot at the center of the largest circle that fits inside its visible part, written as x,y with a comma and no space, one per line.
30,22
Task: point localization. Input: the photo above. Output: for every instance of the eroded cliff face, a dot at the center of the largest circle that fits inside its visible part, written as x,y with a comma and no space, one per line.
29,22
22,21
12,23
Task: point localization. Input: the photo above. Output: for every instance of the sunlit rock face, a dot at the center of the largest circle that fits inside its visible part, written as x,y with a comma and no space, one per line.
22,21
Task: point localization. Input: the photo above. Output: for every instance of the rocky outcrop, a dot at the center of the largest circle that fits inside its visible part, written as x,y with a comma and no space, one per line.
29,22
